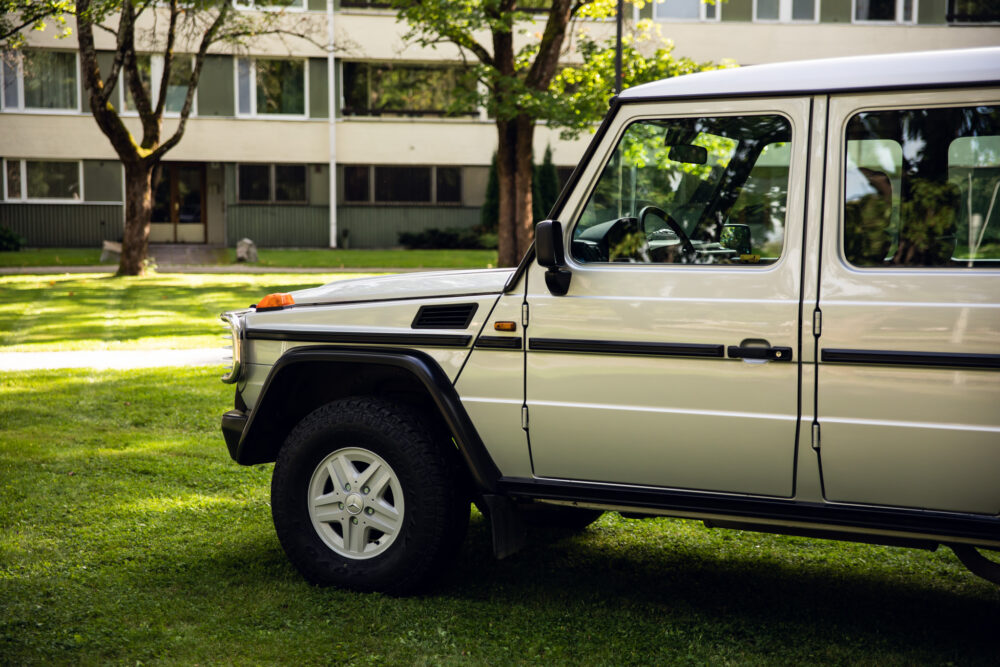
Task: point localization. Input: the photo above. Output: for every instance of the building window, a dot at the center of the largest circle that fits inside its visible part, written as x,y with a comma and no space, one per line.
151,74
786,11
973,11
42,180
368,184
375,89
685,10
449,184
357,186
43,80
885,11
271,87
272,183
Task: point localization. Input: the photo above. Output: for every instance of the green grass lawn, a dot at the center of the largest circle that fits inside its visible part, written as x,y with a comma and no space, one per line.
127,535
100,311
285,258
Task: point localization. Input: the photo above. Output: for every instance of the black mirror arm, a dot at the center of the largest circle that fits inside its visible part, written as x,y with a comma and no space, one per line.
550,253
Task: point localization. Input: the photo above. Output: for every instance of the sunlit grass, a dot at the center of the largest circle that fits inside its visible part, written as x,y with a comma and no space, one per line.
102,312
127,536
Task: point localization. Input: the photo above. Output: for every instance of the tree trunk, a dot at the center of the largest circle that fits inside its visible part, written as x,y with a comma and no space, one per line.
515,228
138,212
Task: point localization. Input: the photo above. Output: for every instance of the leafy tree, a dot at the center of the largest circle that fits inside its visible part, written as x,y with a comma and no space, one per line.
488,214
188,25
521,85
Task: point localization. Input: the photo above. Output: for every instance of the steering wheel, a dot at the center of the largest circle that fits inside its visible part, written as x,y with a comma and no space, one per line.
686,244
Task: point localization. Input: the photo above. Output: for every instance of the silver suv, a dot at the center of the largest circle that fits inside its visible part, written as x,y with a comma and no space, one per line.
768,298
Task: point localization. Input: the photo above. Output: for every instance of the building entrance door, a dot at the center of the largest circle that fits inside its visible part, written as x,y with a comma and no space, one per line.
178,203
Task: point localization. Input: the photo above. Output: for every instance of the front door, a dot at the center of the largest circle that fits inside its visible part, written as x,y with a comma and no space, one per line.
672,360
178,203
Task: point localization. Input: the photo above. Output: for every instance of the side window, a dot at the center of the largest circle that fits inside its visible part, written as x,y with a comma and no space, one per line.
705,190
920,188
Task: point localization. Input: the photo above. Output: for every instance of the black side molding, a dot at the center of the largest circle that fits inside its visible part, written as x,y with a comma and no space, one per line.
627,347
362,338
943,524
256,439
499,342
926,359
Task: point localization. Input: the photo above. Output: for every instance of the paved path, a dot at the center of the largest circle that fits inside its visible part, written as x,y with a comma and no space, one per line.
108,359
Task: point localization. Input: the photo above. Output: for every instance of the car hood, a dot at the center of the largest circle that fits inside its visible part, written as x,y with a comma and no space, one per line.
407,286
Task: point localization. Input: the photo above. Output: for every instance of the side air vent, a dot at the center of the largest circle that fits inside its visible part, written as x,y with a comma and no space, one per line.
452,316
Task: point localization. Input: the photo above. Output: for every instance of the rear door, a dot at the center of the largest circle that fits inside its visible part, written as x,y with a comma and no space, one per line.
684,241
909,377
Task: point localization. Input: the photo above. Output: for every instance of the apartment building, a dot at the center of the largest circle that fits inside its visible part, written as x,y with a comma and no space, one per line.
294,147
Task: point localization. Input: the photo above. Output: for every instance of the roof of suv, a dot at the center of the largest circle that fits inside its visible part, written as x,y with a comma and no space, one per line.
857,73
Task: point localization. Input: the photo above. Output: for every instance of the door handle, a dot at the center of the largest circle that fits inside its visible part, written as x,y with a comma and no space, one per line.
758,349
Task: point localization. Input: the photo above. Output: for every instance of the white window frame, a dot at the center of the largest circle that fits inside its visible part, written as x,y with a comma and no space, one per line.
785,13
20,107
896,21
155,76
702,10
253,90
251,6
23,198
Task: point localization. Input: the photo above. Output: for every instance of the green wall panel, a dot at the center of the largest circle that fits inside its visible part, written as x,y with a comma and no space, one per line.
278,226
318,98
835,11
102,180
379,226
215,87
317,5
932,11
64,225
735,10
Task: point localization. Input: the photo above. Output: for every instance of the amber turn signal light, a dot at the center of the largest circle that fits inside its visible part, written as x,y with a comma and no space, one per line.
277,300
505,326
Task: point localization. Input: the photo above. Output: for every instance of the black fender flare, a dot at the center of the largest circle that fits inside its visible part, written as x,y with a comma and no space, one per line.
250,438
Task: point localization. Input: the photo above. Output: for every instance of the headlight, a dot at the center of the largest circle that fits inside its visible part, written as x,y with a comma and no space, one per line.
234,323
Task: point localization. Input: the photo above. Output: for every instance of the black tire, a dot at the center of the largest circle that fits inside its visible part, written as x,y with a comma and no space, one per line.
563,517
978,564
424,529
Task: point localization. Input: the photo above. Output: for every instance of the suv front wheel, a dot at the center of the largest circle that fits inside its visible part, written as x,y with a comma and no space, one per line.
365,497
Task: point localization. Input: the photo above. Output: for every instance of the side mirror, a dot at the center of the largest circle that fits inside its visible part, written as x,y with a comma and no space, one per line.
736,237
550,252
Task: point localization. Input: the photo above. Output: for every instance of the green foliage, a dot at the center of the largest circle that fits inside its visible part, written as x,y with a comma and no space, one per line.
10,240
447,239
545,186
579,94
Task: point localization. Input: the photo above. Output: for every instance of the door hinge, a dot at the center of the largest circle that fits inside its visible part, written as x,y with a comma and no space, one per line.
524,314
817,322
815,442
524,417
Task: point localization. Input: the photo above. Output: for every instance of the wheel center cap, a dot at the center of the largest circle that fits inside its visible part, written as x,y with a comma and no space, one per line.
355,503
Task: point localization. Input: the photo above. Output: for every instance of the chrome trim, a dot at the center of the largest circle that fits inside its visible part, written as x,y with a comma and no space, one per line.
234,322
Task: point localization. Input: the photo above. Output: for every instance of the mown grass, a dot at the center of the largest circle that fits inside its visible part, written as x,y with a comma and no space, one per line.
127,535
292,258
51,257
100,311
